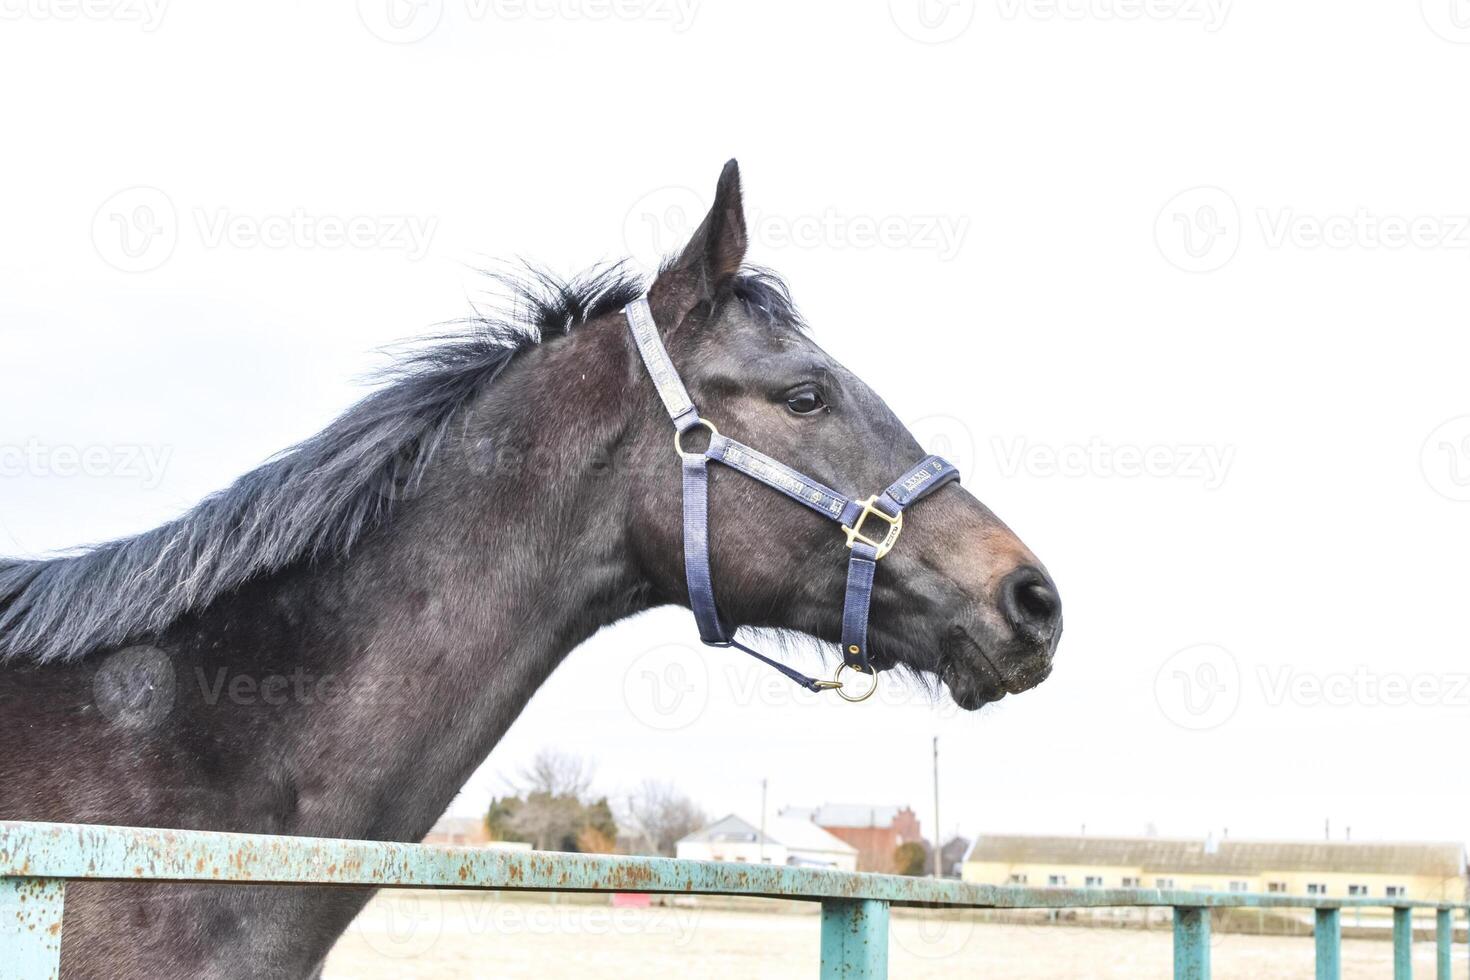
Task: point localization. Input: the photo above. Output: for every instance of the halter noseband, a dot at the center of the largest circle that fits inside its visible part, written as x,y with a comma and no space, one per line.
866,548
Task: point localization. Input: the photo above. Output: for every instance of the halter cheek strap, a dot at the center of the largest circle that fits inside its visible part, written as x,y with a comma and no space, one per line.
871,526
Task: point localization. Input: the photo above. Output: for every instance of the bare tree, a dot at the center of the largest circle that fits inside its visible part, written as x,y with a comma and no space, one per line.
661,815
556,774
552,811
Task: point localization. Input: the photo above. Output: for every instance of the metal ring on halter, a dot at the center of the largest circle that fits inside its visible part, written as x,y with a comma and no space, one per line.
678,436
842,692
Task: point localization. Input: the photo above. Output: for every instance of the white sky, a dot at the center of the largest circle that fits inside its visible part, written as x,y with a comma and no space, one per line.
1048,282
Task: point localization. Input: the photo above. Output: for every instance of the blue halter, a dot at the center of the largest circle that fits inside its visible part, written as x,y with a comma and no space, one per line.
886,507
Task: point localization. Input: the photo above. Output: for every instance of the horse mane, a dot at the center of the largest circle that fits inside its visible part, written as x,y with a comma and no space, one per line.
315,500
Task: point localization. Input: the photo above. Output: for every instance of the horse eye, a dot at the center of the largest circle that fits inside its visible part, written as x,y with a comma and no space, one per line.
807,401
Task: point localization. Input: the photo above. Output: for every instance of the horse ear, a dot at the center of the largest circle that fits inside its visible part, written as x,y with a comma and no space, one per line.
713,256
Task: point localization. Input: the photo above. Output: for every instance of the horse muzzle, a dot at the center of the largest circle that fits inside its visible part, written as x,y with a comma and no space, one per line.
984,663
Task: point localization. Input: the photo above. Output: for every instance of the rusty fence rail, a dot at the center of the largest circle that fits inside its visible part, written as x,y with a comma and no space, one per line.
38,859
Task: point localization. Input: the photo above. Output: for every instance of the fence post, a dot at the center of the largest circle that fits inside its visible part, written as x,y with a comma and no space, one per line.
1329,944
1403,944
1191,943
854,939
30,927
1444,938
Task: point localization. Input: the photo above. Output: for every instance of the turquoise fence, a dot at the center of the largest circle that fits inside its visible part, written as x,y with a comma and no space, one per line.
38,859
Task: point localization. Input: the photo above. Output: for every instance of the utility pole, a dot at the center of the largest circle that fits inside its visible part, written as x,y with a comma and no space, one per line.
762,844
938,838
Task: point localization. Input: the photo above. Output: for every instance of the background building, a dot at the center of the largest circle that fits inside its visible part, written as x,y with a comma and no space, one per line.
876,831
786,841
468,832
952,856
1430,871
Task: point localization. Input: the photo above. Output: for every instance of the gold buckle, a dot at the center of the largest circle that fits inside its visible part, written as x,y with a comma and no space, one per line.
855,533
836,684
678,436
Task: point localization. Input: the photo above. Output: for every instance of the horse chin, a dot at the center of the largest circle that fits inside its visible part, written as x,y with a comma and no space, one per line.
975,678
973,689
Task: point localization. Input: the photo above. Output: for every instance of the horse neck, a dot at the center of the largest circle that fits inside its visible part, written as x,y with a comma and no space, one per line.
440,628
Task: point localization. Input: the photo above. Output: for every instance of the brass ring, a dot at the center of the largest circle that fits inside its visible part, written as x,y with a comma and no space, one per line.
678,436
842,693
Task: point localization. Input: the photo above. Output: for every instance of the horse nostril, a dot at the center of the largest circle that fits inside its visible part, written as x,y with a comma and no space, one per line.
1030,602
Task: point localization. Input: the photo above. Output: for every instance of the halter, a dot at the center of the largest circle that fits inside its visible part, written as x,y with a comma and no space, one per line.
884,508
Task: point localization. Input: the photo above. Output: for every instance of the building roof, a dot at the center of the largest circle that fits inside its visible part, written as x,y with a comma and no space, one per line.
727,828
803,835
1243,857
793,834
846,814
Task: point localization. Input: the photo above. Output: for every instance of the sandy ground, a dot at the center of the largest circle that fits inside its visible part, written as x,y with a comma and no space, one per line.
469,937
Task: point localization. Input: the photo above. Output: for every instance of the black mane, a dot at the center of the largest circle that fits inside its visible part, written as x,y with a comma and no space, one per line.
316,499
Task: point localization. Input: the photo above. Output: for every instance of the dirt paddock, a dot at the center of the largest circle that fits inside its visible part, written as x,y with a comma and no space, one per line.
411,935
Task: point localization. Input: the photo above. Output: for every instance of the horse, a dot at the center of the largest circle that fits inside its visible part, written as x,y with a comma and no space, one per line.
330,646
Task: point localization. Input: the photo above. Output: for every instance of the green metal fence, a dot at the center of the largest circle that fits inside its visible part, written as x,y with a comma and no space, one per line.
38,859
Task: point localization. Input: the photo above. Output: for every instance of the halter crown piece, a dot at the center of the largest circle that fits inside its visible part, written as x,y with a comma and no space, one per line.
885,508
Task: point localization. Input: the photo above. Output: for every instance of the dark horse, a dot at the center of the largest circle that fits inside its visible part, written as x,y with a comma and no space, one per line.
330,646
